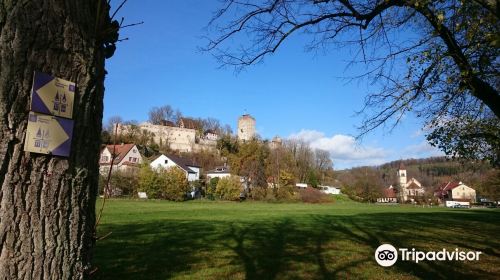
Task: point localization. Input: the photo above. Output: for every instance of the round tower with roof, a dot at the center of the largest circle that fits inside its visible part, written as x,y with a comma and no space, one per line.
246,127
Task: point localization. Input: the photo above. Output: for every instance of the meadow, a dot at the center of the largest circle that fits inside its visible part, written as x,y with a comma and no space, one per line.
257,240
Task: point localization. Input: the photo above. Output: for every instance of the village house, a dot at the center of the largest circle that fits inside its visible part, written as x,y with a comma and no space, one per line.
191,170
329,190
127,158
455,191
389,196
301,185
211,135
218,172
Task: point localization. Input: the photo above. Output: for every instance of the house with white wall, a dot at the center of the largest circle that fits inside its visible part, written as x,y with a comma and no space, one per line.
329,190
455,191
211,135
218,172
126,158
389,196
301,185
191,170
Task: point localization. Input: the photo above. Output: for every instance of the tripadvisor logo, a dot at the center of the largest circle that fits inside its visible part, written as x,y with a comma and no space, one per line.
387,255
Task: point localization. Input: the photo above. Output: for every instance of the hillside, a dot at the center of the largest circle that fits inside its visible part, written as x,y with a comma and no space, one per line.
368,181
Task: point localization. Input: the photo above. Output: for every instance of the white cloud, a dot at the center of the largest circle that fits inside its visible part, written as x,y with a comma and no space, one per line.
344,149
307,135
420,150
346,152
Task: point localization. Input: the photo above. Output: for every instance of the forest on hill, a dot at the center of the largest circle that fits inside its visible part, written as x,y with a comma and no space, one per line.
367,182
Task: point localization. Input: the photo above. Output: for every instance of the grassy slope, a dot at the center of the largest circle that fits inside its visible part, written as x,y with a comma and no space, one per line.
250,240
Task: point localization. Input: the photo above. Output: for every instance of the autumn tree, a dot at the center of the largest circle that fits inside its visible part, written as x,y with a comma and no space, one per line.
249,162
229,188
437,59
151,182
366,184
490,186
176,184
47,207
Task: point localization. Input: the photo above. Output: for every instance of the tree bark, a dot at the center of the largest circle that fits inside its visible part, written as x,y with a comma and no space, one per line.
47,203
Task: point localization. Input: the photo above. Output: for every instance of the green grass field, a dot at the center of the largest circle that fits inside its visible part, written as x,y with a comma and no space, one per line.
252,240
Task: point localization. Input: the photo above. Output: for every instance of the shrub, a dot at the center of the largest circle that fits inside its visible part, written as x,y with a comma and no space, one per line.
286,178
312,195
176,184
285,193
151,182
120,183
229,188
212,185
259,193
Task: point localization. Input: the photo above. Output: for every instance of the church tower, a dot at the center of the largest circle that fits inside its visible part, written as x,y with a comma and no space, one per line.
402,182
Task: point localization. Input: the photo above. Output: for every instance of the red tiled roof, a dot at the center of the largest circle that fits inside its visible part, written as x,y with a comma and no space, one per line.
120,150
188,123
449,186
445,187
390,192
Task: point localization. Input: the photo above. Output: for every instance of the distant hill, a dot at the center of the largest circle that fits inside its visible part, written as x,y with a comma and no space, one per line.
431,172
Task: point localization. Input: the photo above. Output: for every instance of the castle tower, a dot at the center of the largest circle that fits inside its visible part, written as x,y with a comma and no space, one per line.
246,127
402,182
276,142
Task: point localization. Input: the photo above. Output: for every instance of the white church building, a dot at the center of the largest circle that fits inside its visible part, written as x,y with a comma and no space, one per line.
408,189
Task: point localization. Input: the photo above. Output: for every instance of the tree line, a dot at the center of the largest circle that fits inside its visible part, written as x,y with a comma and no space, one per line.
367,183
263,165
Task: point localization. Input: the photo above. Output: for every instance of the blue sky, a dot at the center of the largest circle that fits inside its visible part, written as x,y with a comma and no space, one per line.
293,94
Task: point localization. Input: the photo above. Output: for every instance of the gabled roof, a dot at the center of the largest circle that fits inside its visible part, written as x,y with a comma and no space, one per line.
445,187
120,150
167,123
449,186
183,163
220,170
210,131
188,123
390,192
413,185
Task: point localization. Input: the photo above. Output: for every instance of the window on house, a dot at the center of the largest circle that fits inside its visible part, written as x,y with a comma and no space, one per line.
166,161
130,159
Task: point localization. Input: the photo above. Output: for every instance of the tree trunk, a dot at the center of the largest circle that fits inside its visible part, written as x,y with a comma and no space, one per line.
47,203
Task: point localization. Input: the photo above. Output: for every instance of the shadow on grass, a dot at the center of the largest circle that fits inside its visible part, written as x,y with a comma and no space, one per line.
314,247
